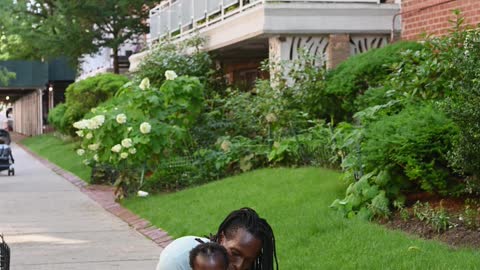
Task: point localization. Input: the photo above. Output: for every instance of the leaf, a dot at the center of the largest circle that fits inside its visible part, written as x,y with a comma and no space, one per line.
153,99
414,249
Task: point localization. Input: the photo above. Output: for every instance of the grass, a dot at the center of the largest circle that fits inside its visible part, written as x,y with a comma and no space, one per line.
309,234
59,152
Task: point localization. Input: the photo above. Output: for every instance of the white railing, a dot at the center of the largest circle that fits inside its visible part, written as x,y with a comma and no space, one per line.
180,17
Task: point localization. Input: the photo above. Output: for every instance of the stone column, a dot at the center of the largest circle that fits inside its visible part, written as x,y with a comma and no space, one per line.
276,54
338,49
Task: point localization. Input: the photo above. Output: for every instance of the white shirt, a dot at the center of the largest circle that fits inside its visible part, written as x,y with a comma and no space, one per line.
176,256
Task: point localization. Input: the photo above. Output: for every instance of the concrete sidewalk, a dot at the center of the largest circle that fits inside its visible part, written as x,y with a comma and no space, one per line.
50,224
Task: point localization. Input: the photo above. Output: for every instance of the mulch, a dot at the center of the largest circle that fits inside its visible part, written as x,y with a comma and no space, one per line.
457,236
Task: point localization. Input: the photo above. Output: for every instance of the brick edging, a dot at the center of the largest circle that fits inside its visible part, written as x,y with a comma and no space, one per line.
104,196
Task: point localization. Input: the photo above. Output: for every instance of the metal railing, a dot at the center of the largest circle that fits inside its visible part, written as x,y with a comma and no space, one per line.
174,18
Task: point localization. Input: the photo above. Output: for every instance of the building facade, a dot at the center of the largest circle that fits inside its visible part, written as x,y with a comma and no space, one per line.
37,88
242,33
432,16
102,61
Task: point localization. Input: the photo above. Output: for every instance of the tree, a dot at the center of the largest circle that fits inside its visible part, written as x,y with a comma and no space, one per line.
115,21
38,30
5,76
50,28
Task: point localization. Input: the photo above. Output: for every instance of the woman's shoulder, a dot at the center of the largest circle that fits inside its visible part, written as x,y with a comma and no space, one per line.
186,243
176,254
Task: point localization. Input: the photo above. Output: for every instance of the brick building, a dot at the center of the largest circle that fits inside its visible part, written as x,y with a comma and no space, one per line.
432,16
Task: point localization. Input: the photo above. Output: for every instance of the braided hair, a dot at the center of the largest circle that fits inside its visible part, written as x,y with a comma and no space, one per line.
249,220
209,250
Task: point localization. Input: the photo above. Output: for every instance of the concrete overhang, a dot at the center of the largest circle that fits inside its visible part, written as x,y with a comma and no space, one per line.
328,18
302,18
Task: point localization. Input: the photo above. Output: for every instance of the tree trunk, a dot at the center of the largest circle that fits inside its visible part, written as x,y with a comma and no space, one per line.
116,68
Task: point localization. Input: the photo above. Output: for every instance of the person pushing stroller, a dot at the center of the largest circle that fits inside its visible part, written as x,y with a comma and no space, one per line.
6,158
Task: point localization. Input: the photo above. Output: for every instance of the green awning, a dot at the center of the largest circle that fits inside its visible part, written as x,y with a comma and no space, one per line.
36,74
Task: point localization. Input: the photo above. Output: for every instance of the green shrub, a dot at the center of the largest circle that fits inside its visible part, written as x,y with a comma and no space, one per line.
415,142
178,57
140,127
465,111
56,117
397,154
297,86
354,77
463,107
84,95
310,147
265,112
228,156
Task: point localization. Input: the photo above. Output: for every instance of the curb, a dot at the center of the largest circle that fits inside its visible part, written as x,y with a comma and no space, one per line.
104,195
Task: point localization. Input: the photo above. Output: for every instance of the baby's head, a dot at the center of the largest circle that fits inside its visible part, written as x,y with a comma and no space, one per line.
209,256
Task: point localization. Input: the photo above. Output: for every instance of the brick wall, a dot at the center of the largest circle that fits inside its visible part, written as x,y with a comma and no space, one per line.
431,16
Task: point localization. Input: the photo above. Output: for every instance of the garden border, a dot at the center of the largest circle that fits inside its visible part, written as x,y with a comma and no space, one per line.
104,196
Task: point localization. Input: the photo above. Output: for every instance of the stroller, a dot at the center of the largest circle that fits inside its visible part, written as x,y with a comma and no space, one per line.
6,157
5,136
4,255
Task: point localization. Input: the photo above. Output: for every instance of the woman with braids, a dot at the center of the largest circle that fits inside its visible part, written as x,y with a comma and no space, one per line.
248,239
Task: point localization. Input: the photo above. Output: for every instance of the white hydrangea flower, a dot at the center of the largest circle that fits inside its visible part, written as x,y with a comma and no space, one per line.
142,193
271,118
127,143
226,146
82,124
79,133
145,128
89,136
94,147
91,124
123,155
129,129
132,151
99,120
145,84
95,157
170,75
86,162
80,152
117,148
121,118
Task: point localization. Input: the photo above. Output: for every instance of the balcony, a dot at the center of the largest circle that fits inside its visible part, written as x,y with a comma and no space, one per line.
178,18
241,30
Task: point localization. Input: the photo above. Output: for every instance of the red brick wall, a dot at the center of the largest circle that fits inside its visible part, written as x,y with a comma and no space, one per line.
431,16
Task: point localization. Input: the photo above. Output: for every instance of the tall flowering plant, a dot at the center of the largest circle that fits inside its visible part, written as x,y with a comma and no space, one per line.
140,124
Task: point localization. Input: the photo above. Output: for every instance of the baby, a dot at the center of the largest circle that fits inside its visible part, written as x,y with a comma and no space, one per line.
209,256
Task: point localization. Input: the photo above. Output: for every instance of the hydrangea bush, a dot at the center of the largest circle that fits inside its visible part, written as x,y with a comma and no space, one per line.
140,126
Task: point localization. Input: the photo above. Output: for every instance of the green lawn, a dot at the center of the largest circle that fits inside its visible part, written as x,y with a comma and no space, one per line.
59,152
309,234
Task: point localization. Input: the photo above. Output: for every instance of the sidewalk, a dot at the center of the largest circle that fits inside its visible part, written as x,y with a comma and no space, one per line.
50,224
